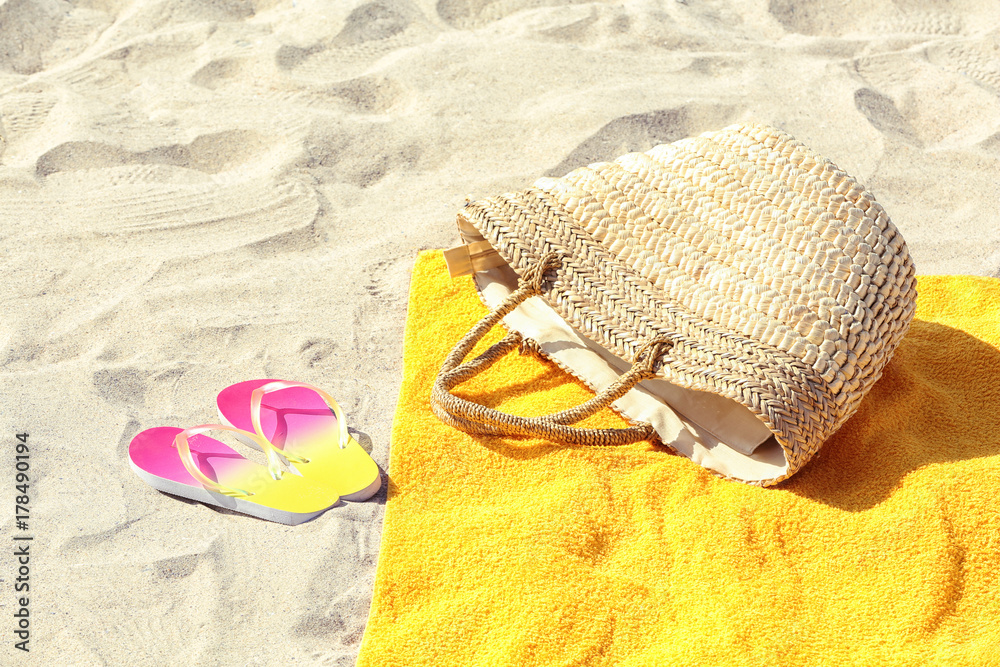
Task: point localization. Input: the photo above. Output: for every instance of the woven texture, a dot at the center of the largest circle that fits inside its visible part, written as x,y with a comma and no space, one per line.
779,280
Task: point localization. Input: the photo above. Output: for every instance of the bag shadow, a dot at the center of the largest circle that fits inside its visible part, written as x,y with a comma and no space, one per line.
937,402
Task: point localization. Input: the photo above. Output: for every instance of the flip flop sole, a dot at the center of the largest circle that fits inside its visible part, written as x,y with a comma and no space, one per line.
290,500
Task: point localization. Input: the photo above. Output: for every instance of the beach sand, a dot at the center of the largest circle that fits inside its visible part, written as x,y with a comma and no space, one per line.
196,193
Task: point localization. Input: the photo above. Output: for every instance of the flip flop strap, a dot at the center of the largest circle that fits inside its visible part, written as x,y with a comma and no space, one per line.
255,404
187,458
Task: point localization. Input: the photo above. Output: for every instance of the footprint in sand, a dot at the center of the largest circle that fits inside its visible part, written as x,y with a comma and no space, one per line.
316,351
882,113
978,60
290,57
22,50
24,112
887,71
361,155
209,153
370,94
178,567
373,94
920,23
150,216
853,16
370,22
121,386
217,72
370,31
640,132
472,14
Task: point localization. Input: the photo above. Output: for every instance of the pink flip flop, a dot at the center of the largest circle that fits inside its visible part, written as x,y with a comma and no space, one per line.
187,463
306,426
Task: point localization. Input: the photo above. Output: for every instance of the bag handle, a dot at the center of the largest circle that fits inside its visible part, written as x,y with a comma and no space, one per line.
476,418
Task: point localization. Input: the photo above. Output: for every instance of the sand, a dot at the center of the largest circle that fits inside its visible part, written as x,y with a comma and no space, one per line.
195,193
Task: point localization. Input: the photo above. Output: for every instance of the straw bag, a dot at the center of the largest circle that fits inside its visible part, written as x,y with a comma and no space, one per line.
754,289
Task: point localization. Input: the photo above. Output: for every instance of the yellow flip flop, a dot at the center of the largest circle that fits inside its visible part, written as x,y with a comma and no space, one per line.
190,464
305,425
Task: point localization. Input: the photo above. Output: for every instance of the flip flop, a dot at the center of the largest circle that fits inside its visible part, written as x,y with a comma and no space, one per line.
307,427
186,463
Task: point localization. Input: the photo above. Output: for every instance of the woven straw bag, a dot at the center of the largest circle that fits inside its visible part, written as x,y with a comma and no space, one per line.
755,290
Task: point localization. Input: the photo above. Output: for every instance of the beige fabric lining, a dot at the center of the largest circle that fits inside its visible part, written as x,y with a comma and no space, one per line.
713,431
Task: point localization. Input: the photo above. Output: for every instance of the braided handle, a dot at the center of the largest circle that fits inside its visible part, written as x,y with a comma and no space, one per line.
476,418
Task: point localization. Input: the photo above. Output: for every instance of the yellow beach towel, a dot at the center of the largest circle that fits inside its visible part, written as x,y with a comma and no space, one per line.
884,550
